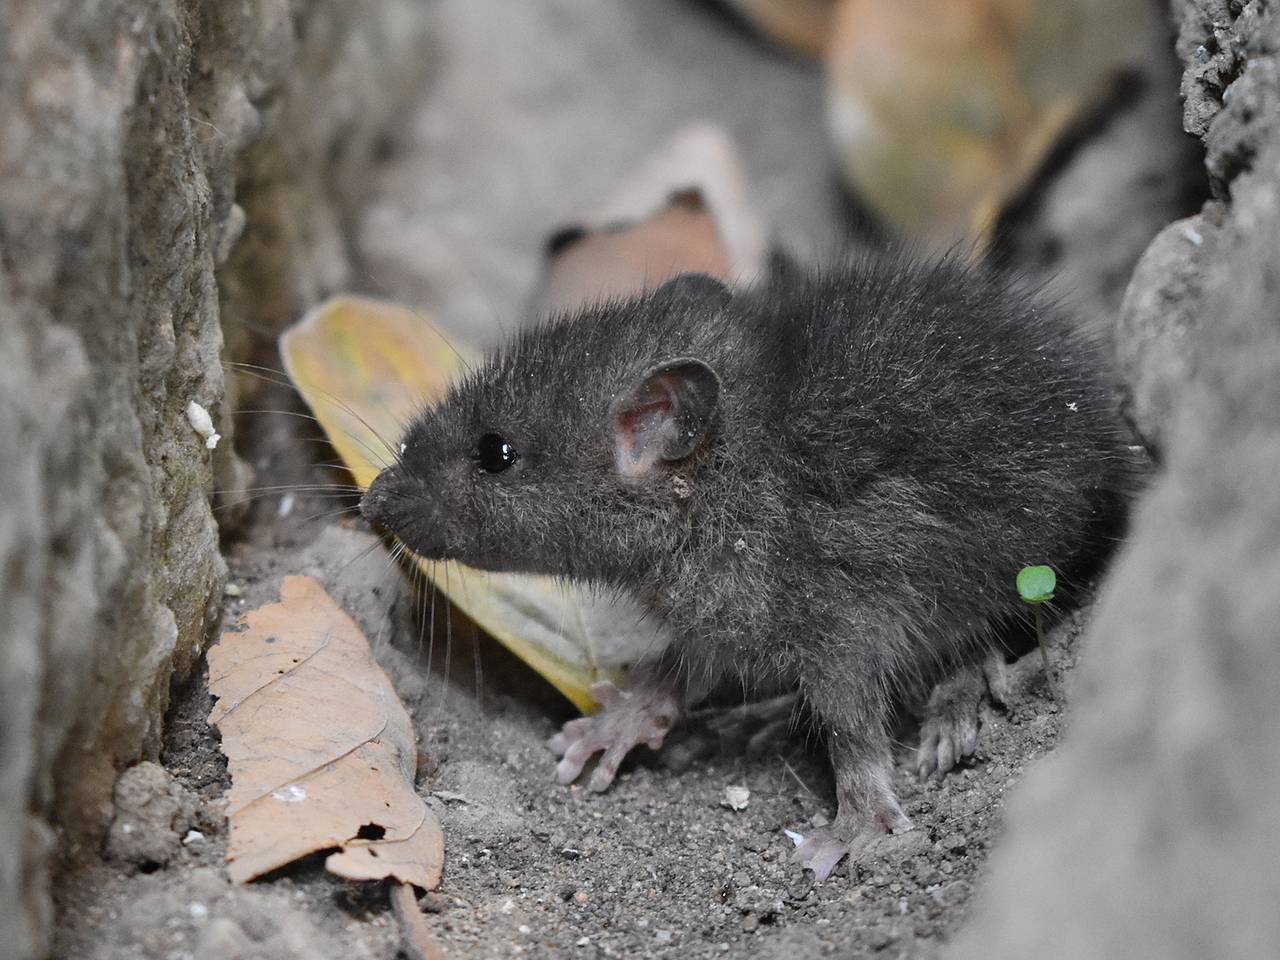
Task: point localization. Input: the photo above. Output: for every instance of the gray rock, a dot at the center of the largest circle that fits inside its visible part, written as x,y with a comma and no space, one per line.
142,141
1160,319
1231,86
1152,831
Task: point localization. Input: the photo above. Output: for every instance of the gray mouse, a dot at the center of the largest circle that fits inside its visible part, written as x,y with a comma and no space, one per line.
827,483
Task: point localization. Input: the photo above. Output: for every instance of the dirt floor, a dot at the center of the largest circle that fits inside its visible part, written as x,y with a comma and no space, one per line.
659,865
503,149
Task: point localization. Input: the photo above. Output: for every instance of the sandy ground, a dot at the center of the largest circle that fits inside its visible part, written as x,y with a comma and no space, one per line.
660,865
537,113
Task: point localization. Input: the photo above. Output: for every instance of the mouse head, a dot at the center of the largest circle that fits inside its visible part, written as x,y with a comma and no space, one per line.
557,455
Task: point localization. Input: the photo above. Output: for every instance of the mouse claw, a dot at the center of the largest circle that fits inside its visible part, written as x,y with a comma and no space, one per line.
821,852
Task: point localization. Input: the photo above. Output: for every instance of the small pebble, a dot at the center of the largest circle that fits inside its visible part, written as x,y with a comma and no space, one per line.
735,798
433,903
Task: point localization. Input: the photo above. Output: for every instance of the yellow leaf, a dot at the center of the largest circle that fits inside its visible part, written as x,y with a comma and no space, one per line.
321,750
943,110
364,367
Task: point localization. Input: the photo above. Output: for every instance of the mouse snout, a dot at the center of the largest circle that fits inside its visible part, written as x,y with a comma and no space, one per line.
396,503
375,505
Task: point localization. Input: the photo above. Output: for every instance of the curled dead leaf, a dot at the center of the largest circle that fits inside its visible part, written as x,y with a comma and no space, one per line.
321,750
686,210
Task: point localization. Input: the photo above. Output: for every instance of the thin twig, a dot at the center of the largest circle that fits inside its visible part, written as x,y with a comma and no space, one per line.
418,943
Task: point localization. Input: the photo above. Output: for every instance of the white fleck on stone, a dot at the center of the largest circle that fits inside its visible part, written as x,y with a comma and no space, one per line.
796,838
231,590
735,798
1192,234
290,794
286,505
198,910
202,424
192,836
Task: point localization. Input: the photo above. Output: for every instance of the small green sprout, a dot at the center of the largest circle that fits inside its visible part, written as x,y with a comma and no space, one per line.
1035,586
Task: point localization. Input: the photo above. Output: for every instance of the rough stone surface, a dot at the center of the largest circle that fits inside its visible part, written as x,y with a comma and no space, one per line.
125,123
1231,53
1152,832
152,815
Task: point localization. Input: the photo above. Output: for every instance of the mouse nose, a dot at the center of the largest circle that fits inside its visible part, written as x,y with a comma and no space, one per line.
374,503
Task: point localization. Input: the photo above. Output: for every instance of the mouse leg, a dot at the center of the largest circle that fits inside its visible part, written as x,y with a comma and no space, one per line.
949,733
754,727
866,805
625,720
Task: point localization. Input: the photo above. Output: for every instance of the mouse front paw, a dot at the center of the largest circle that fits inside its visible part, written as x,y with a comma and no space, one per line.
625,720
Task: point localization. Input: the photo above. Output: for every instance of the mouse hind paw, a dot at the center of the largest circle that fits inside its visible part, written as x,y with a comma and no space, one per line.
953,716
822,849
868,809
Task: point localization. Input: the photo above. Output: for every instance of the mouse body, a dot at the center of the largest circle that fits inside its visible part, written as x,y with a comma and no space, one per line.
827,484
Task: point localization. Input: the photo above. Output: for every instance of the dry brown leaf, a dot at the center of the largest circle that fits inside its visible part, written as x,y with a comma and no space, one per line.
626,260
685,211
804,25
321,750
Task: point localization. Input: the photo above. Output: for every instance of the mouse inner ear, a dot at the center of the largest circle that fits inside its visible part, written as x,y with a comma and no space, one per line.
665,416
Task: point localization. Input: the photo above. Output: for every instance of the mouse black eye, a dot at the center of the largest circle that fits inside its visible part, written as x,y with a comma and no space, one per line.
494,454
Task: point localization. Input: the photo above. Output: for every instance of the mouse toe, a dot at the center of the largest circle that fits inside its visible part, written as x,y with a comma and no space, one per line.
953,716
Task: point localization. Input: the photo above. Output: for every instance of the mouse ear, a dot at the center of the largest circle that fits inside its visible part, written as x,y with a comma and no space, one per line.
700,288
664,416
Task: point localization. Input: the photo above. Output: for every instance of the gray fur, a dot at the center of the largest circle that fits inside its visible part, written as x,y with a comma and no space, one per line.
893,440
